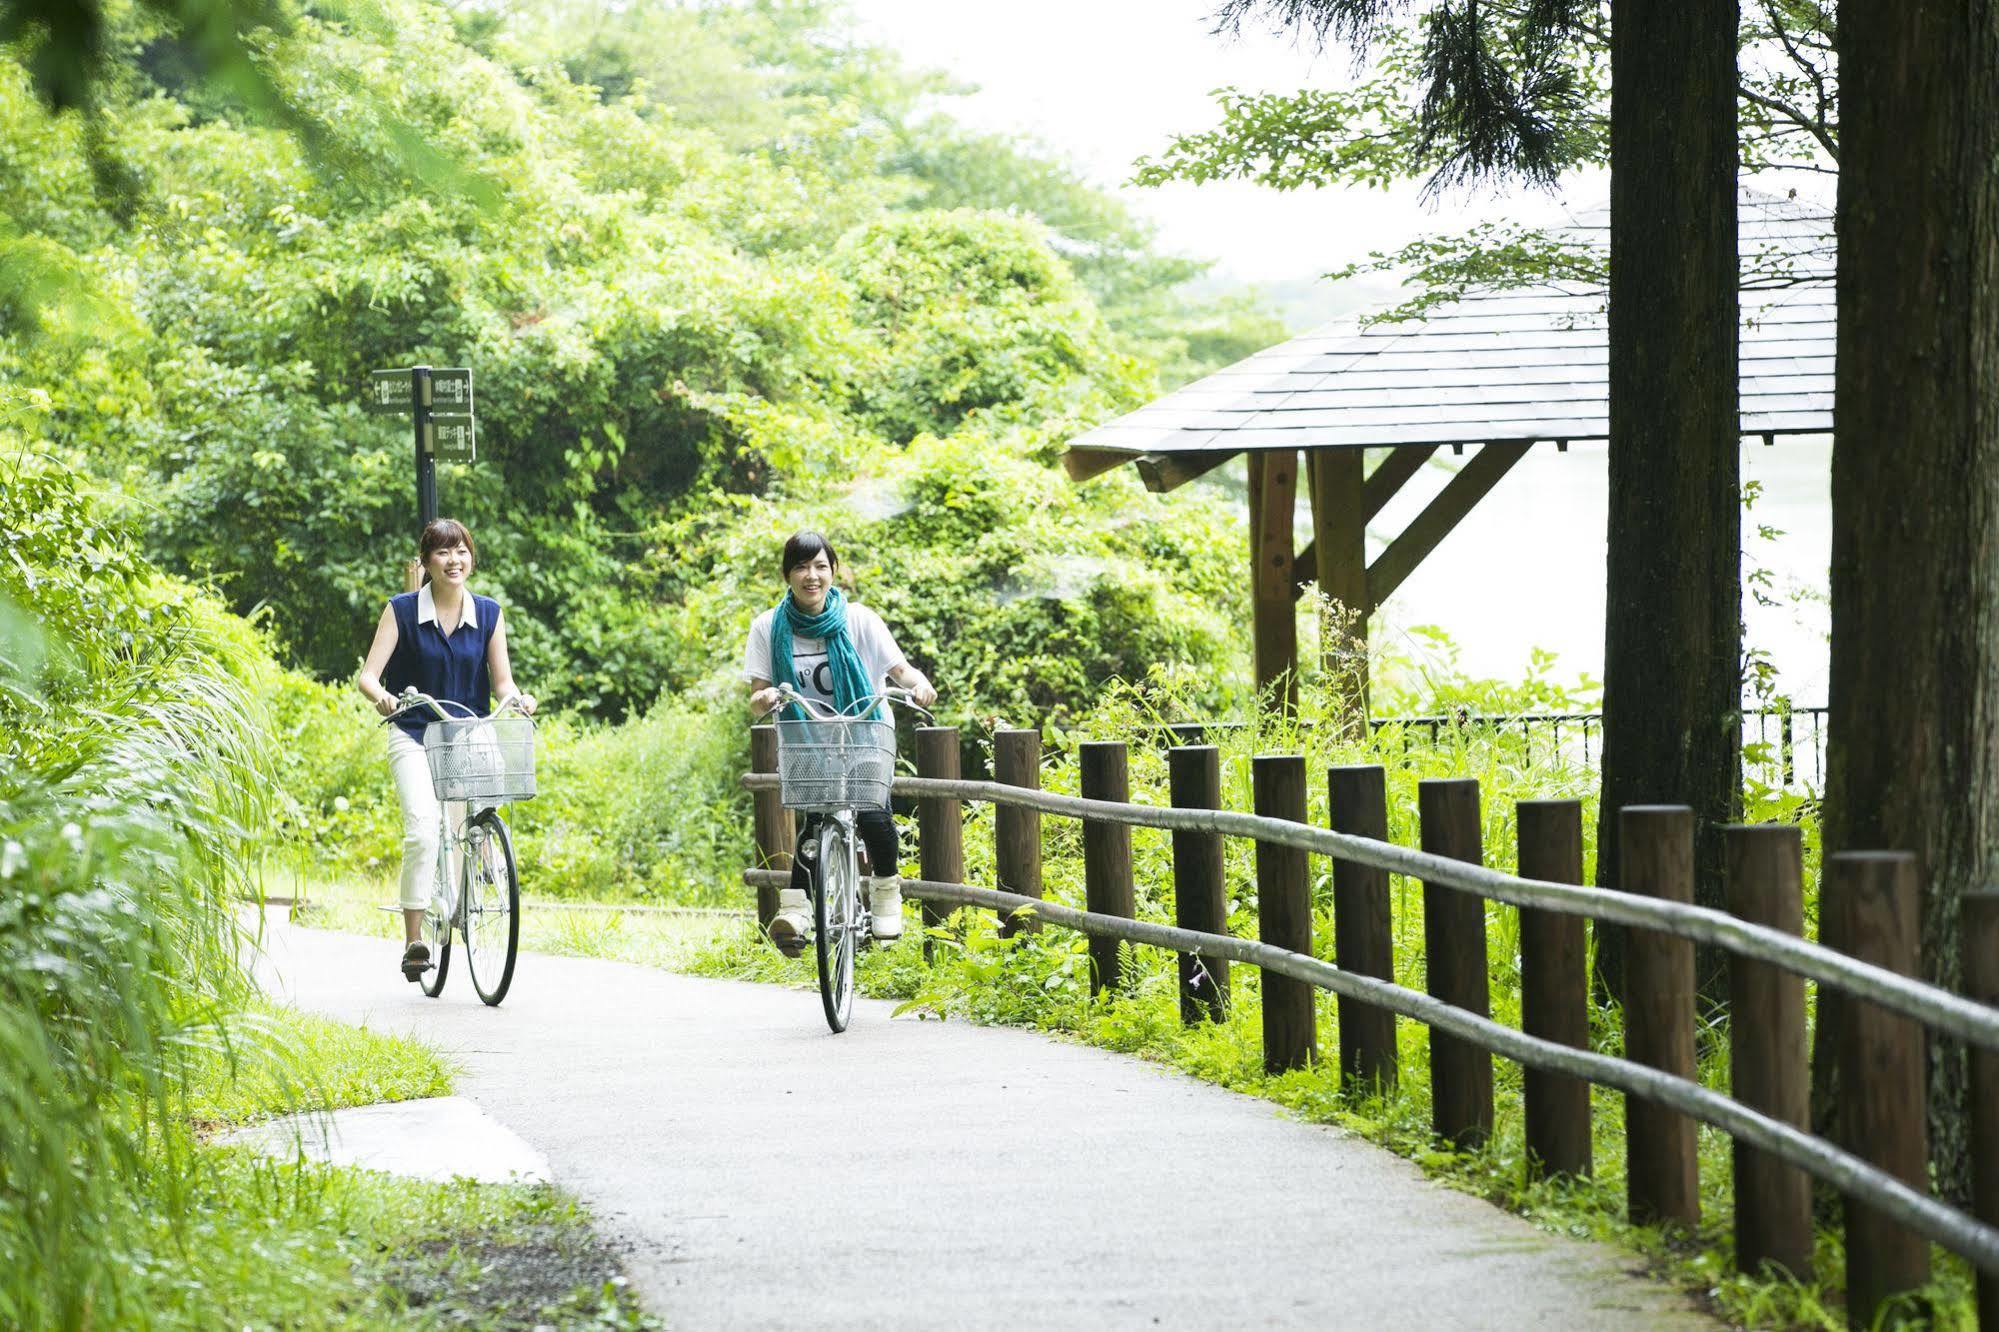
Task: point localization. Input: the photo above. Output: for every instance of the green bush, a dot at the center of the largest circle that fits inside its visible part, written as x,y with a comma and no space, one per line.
132,782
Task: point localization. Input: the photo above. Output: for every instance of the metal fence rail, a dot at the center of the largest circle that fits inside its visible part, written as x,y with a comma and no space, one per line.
1884,1186
1784,746
1949,1013
1841,1169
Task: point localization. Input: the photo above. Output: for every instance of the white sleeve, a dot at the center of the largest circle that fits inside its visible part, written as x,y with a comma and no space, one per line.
756,657
877,646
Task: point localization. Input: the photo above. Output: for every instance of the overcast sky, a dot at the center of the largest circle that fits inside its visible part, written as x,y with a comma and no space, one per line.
1105,82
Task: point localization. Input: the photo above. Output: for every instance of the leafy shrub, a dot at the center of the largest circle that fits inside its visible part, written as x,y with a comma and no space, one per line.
132,774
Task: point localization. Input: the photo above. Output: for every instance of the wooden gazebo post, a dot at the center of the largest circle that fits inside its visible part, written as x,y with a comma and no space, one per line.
1339,564
1273,506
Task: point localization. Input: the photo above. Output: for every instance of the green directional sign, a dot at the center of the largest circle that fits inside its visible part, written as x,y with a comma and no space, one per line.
450,438
391,390
451,391
438,403
388,391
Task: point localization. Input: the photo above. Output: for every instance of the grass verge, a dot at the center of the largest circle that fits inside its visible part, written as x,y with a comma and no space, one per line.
290,1243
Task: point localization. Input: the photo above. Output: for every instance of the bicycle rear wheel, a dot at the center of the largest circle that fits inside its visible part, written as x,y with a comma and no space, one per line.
836,910
492,921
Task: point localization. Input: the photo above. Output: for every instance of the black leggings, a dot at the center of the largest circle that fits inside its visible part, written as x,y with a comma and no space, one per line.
877,830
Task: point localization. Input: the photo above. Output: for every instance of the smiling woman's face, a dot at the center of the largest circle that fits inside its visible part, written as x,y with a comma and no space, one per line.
810,580
449,565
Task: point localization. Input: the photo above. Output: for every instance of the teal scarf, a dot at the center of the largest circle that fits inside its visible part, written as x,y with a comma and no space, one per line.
850,678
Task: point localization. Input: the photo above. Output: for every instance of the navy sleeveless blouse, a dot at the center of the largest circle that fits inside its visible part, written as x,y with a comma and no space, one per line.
451,668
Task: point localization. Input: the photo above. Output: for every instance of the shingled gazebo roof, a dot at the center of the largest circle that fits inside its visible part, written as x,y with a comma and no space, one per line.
1513,367
1500,372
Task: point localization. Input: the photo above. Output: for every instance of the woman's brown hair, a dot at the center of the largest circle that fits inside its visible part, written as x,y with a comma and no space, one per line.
443,534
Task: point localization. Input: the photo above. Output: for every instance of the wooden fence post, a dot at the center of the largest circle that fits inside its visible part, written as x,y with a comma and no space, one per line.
1107,886
1769,1067
1454,949
1200,893
1017,832
1554,988
1661,1168
1868,909
1979,931
940,828
1358,799
1284,914
774,832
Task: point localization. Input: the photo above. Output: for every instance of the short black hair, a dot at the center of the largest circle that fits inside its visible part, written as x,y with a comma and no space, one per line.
804,547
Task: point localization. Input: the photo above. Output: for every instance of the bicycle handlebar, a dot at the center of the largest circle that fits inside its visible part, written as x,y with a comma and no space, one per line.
861,707
414,700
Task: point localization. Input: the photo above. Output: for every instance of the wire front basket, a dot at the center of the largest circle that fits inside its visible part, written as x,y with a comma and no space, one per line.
841,763
485,759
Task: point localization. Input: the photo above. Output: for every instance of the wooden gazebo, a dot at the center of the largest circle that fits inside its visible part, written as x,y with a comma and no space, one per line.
1496,373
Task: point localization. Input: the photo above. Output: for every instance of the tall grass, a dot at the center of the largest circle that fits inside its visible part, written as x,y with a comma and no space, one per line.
132,780
649,810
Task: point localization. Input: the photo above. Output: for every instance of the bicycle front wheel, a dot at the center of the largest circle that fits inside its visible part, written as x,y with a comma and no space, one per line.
836,911
492,923
437,933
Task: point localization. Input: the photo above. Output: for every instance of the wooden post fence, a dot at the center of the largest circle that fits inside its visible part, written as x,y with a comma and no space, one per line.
1454,949
1662,1170
775,835
940,827
1868,908
1107,885
1358,799
1979,936
1016,831
1284,914
1200,892
1554,988
1769,1064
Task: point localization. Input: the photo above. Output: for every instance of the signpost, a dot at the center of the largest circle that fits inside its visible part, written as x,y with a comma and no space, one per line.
439,402
440,406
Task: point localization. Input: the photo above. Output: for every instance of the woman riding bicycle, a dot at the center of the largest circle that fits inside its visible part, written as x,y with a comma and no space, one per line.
836,653
445,641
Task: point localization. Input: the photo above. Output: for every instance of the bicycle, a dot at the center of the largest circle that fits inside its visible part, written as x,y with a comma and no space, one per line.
832,763
480,762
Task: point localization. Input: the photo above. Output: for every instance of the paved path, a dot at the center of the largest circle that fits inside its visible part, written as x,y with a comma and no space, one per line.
718,1130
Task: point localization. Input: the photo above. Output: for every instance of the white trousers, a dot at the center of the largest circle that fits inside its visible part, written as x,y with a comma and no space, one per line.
420,820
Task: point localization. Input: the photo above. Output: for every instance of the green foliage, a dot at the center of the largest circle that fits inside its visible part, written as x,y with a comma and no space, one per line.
132,780
718,255
283,1061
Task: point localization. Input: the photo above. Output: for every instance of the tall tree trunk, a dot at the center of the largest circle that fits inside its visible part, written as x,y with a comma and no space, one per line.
1673,613
1913,760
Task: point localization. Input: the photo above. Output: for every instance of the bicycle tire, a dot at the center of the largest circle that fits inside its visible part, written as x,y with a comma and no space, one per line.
493,900
437,933
836,917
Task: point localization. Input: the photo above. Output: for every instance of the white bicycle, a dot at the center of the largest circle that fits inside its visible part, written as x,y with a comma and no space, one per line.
482,763
830,764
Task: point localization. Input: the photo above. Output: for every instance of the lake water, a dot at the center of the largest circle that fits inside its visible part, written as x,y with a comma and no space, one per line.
1525,569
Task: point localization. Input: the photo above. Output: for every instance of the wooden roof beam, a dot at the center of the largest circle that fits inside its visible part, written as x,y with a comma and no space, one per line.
1169,471
1386,480
1382,485
1437,520
1084,463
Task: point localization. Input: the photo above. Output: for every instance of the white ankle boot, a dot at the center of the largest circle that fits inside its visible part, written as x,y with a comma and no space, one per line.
885,904
792,925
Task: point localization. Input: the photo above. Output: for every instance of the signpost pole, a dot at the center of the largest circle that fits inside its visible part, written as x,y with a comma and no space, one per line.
426,464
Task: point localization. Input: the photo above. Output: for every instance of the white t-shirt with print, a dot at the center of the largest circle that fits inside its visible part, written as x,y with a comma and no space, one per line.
876,645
